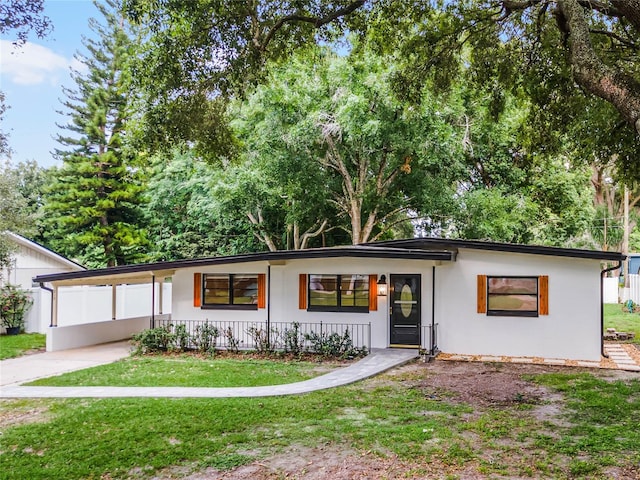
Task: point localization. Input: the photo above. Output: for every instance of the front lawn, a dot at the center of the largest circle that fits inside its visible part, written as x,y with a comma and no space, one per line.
565,424
187,371
16,345
622,320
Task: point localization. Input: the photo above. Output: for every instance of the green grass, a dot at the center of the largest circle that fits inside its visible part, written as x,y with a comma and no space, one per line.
125,438
12,346
622,321
186,371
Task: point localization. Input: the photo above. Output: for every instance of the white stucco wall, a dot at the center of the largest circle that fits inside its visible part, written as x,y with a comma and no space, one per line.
76,336
284,293
570,331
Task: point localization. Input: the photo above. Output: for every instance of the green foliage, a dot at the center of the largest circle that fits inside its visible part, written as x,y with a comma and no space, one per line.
184,215
261,338
326,134
293,339
14,303
205,337
184,96
92,206
153,340
334,345
233,343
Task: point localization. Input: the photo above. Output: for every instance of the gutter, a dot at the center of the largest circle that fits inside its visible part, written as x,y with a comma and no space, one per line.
50,290
602,273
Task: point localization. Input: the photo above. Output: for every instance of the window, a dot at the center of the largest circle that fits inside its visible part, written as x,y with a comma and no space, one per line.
230,291
512,296
337,293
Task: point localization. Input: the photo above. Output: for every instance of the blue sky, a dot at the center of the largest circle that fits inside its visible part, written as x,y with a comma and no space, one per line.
32,77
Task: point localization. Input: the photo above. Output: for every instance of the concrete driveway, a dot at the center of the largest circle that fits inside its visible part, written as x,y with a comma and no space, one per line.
27,368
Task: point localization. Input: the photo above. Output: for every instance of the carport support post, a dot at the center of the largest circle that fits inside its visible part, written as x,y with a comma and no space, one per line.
114,289
160,288
153,301
54,306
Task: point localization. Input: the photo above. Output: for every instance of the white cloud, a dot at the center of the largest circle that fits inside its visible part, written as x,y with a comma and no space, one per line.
33,64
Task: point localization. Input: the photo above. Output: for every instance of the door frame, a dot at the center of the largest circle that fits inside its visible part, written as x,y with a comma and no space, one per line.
418,292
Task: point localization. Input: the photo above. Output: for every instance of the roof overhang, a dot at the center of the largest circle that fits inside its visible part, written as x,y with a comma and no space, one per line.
143,273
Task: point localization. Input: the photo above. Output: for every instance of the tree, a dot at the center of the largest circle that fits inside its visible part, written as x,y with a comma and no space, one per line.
198,54
23,16
92,207
13,213
208,48
184,215
333,129
571,58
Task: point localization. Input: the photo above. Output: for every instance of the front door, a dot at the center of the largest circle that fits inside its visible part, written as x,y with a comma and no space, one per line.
405,310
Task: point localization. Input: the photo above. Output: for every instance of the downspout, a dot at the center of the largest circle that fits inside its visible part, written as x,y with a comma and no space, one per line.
42,286
269,304
602,273
433,310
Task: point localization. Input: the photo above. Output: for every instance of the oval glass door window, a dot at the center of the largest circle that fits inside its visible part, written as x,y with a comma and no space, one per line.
406,298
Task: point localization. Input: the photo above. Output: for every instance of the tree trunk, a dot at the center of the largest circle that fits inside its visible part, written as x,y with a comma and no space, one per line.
614,86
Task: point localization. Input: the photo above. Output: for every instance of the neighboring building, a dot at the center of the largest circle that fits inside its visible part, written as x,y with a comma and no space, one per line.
485,298
31,259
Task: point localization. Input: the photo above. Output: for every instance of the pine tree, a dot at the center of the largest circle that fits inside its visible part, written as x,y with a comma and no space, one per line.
93,205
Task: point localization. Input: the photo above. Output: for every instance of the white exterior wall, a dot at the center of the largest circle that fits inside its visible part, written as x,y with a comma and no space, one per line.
570,331
28,263
284,293
76,336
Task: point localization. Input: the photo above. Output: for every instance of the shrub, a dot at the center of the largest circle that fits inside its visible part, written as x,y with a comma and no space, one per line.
153,340
14,303
206,337
233,343
334,345
182,337
261,340
293,339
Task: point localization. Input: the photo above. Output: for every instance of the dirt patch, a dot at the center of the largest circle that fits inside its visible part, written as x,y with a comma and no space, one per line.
302,463
15,412
484,384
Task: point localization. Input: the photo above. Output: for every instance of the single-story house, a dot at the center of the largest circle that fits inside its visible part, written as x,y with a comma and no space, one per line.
455,296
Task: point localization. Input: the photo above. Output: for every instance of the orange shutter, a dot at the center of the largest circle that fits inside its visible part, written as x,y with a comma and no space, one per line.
302,292
482,294
543,294
262,290
197,289
373,293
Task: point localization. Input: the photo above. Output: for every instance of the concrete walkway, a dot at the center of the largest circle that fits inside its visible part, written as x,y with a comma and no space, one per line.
376,362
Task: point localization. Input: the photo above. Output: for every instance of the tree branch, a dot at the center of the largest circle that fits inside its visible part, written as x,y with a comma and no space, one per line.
617,88
315,21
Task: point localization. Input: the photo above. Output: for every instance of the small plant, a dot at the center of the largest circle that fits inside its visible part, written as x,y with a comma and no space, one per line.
14,303
233,343
293,339
261,339
153,340
206,337
182,337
